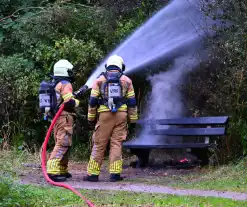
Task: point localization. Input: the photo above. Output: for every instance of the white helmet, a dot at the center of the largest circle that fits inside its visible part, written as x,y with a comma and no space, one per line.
61,68
117,61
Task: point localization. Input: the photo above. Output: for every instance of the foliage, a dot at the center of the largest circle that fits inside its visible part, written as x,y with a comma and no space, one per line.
19,81
18,76
219,87
35,34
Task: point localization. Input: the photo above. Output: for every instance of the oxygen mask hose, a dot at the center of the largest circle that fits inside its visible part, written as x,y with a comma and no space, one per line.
43,160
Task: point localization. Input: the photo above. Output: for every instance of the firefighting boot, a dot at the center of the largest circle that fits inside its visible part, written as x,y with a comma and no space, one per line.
57,178
68,175
91,178
115,178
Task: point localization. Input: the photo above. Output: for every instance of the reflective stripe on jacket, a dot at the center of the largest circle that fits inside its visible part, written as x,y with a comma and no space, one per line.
64,93
127,92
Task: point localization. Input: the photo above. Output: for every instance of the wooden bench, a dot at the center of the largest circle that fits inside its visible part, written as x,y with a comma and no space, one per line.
203,130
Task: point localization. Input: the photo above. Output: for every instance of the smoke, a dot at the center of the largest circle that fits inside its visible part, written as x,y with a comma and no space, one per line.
165,100
178,35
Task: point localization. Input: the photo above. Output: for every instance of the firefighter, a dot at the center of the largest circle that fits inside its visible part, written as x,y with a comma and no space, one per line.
57,165
113,101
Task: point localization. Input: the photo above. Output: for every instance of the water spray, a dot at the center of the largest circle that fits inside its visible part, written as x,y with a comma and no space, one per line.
172,35
165,36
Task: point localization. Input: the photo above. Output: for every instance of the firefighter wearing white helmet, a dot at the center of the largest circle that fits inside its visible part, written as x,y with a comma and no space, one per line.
62,68
113,101
116,60
57,165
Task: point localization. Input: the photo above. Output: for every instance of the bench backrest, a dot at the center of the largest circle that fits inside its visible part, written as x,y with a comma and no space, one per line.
209,126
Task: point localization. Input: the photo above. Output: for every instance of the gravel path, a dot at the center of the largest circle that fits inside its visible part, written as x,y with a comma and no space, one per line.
144,188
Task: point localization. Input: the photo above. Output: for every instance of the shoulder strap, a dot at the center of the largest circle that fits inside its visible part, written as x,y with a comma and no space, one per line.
103,73
121,73
59,79
105,84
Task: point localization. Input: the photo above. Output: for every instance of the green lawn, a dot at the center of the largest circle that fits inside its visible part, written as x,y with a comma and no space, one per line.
231,178
12,194
226,178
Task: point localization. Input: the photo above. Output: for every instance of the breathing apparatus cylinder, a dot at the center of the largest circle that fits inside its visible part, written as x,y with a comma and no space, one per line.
47,99
114,95
114,63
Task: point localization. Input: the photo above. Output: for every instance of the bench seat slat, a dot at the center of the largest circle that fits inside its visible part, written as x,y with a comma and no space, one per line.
189,131
166,146
214,120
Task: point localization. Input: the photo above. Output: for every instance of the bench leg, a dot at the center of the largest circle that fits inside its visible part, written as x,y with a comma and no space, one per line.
201,154
143,157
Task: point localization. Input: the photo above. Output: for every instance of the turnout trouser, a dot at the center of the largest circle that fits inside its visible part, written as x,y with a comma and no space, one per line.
111,126
63,130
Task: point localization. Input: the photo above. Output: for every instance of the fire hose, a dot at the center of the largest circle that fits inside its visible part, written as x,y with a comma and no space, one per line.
43,160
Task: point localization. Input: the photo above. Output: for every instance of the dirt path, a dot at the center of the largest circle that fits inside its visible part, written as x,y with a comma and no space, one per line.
144,188
35,176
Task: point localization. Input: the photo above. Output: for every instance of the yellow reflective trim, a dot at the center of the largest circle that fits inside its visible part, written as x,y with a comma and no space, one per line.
54,167
95,92
104,108
116,167
93,167
77,102
133,117
130,94
123,108
91,115
67,96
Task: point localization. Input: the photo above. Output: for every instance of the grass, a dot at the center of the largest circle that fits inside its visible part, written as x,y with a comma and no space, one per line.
226,178
232,177
13,194
11,162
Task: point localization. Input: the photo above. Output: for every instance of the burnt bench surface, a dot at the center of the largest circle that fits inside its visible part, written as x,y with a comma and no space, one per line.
186,126
166,146
189,131
213,120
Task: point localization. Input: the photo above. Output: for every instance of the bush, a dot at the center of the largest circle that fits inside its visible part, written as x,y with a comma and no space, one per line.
19,81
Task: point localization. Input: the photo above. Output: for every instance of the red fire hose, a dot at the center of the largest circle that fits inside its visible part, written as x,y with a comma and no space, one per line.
43,160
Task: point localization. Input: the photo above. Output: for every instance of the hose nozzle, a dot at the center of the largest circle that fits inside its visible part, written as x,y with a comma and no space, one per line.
81,91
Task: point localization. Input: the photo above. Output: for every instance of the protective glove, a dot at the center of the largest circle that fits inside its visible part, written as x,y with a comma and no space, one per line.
91,125
132,127
69,105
